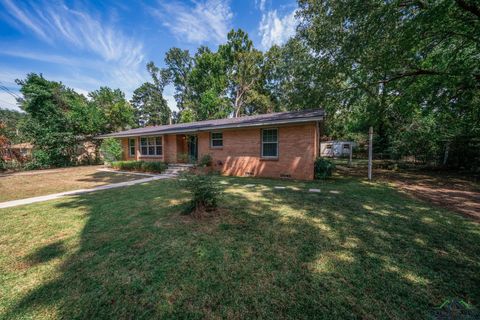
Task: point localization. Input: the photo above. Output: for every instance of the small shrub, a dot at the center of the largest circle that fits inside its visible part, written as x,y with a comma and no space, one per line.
323,168
111,150
204,190
145,166
205,161
40,160
149,166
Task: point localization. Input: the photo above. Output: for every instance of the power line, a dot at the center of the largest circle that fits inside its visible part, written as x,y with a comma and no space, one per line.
7,90
10,93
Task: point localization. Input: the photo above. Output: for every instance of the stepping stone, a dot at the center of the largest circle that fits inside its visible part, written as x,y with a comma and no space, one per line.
334,191
249,185
314,190
280,188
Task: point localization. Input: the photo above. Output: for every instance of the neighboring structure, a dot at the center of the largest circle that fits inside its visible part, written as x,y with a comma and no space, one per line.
23,149
336,148
280,145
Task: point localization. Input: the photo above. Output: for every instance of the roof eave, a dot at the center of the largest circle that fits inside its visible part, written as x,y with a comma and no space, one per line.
227,126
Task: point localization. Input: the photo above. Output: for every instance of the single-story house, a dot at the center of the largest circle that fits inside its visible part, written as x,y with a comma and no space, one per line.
336,148
279,145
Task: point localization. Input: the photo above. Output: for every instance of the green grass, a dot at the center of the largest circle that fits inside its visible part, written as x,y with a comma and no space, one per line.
356,250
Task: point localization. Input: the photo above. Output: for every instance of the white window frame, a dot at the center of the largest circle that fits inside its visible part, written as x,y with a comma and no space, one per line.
132,146
155,146
262,144
217,139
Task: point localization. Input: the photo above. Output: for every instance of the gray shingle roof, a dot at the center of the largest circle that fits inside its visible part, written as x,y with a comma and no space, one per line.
248,121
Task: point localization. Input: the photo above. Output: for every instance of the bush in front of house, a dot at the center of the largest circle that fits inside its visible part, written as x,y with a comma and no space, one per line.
153,166
323,168
205,161
127,165
204,190
143,166
111,150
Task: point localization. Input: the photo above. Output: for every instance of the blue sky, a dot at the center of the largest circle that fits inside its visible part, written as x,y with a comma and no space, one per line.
88,44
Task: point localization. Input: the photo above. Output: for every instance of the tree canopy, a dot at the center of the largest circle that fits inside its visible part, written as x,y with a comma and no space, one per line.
410,69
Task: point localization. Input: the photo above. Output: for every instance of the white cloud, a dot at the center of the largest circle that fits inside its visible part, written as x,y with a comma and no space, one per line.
118,60
8,101
207,21
260,4
276,30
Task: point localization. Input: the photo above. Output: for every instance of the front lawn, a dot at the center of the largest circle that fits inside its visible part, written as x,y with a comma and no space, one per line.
42,182
355,250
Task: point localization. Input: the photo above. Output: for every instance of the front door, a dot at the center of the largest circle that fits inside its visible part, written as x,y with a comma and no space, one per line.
192,144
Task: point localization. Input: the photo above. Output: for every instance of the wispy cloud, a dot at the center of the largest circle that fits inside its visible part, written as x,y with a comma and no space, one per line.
205,21
118,57
276,30
260,4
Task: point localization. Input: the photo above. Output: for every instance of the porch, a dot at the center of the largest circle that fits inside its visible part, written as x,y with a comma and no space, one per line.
171,148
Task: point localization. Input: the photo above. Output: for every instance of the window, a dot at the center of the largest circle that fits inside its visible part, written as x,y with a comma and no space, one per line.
216,139
329,146
269,143
346,146
131,147
151,146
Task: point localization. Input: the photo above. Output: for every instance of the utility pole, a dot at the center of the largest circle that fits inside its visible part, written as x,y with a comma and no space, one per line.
350,159
370,152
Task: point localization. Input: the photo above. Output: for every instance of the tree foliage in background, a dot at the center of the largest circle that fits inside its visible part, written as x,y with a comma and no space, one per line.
216,84
111,150
54,113
150,106
10,121
410,69
57,119
117,112
400,66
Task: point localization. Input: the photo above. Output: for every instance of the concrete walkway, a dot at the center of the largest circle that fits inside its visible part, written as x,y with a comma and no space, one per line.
20,202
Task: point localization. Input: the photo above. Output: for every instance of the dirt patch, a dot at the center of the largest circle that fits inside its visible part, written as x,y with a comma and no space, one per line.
35,183
452,191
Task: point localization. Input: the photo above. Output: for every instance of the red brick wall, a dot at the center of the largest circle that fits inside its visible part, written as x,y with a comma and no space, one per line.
240,154
126,153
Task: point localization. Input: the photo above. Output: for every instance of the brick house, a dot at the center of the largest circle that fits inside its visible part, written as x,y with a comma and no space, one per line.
278,145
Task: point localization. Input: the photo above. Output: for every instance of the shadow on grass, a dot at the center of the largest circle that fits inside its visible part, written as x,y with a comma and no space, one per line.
46,253
110,177
365,252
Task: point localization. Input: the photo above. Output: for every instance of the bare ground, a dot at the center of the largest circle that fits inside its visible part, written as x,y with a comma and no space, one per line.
459,193
35,183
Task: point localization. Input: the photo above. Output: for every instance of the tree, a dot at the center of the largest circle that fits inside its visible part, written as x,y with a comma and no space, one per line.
179,64
387,63
11,120
150,107
111,150
56,118
244,69
117,112
207,84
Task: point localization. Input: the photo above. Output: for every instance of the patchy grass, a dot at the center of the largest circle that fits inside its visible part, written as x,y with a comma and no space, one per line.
355,250
38,183
449,189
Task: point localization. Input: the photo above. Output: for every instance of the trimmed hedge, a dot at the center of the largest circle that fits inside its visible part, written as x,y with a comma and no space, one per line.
144,166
